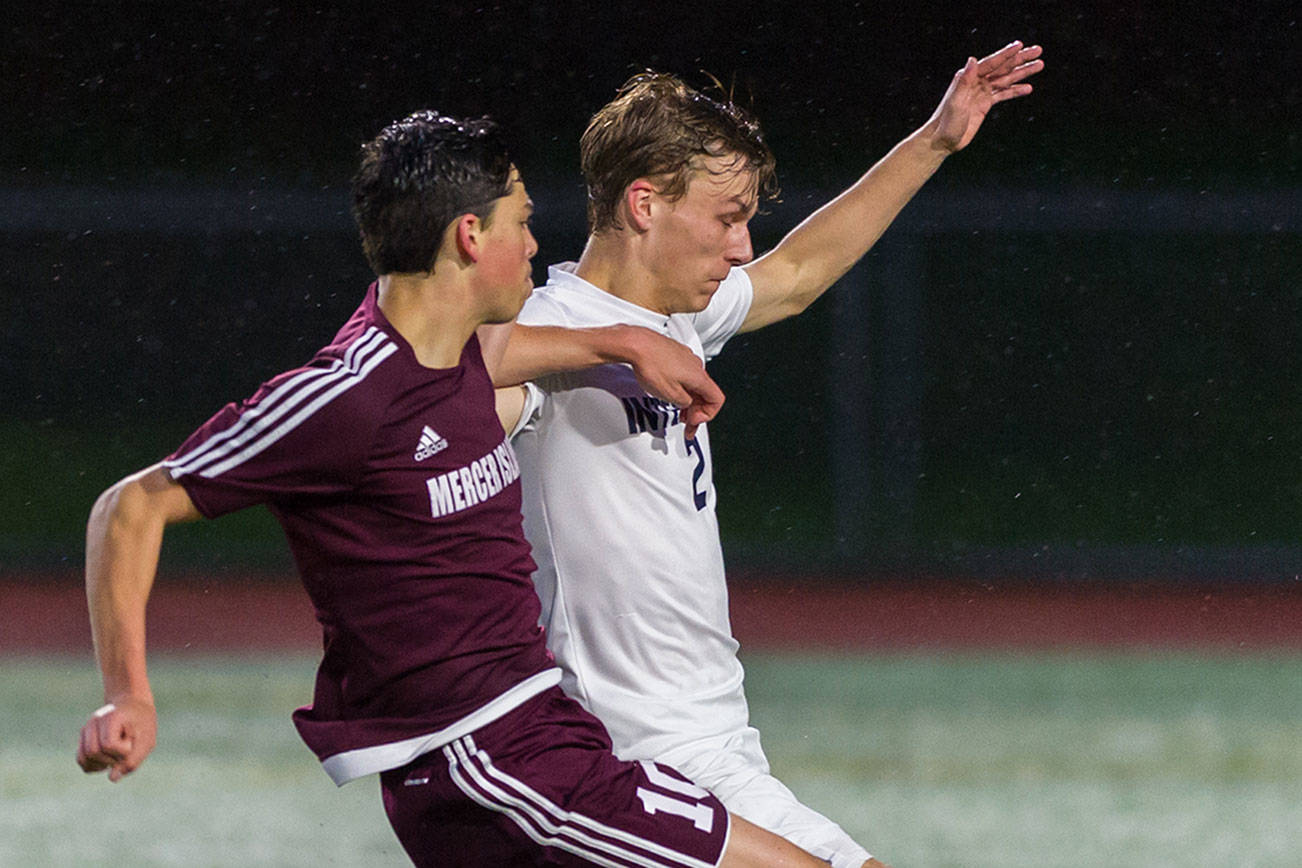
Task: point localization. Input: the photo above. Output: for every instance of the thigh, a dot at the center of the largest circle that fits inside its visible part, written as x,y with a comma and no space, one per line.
437,828
543,788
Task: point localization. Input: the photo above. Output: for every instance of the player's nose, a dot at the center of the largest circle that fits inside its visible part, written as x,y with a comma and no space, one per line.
739,247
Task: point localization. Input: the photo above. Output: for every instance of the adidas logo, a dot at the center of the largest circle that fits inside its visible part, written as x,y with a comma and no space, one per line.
430,444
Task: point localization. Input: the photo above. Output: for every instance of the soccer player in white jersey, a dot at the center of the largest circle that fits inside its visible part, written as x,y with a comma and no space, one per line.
619,504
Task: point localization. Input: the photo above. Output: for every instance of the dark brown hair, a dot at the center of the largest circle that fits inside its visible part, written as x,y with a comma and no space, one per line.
416,177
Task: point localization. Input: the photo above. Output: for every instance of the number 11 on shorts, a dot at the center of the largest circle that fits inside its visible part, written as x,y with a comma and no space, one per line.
701,815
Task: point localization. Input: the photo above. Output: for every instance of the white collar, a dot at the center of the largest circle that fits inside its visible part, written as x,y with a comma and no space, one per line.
562,275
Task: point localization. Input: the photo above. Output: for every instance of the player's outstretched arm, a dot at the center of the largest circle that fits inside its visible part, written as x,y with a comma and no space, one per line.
123,538
816,253
665,368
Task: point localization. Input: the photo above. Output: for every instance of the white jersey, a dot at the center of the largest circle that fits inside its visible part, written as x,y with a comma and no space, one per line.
620,509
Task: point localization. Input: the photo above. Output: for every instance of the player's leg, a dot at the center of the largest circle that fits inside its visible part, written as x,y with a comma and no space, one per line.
437,826
749,846
734,768
767,802
540,786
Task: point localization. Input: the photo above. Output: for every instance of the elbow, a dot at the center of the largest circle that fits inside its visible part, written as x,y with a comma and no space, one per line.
797,304
507,376
107,530
508,370
108,502
116,509
125,508
806,284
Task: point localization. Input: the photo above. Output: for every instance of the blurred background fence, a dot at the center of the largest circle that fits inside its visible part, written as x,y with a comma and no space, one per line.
1070,383
1074,355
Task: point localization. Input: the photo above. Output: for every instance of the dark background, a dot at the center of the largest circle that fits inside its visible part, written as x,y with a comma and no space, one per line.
1074,356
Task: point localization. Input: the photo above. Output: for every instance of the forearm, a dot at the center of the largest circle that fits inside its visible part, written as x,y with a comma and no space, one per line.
825,245
123,538
121,559
665,368
837,235
534,351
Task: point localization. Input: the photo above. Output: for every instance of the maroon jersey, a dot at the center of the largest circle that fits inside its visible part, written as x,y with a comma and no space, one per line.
400,498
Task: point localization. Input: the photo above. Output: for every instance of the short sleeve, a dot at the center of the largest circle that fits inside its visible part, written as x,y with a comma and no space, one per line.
725,314
304,434
542,309
534,397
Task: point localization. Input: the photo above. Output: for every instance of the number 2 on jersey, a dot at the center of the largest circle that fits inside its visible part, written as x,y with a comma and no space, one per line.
698,496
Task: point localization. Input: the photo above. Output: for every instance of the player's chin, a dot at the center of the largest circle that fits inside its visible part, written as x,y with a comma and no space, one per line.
705,296
509,311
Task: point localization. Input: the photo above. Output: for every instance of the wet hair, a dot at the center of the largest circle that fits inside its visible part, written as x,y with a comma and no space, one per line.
658,128
416,177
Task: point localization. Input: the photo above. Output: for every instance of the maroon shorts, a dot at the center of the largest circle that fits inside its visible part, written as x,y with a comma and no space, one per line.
540,786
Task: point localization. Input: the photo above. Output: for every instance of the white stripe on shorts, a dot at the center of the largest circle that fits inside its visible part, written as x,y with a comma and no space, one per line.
250,434
549,824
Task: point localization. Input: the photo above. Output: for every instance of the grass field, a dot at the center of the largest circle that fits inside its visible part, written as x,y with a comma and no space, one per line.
1046,759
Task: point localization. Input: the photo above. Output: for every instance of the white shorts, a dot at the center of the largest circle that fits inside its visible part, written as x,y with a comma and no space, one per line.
734,768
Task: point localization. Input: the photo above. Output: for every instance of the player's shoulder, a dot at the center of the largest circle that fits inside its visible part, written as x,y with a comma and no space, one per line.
355,375
735,288
545,307
725,313
323,409
556,302
364,345
359,350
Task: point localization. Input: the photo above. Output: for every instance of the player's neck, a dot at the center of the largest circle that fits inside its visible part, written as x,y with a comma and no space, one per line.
432,314
611,262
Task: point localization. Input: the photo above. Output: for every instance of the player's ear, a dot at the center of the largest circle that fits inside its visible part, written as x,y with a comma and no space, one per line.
638,201
468,234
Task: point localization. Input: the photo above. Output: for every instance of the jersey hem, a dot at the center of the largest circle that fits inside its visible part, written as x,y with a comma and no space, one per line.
359,762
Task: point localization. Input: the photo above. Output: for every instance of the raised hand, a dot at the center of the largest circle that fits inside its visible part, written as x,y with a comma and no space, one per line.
977,87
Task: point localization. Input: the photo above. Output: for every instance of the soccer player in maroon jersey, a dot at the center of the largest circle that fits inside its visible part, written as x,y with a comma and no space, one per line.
386,465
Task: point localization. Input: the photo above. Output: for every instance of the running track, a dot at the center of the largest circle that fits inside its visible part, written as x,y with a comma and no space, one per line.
227,614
